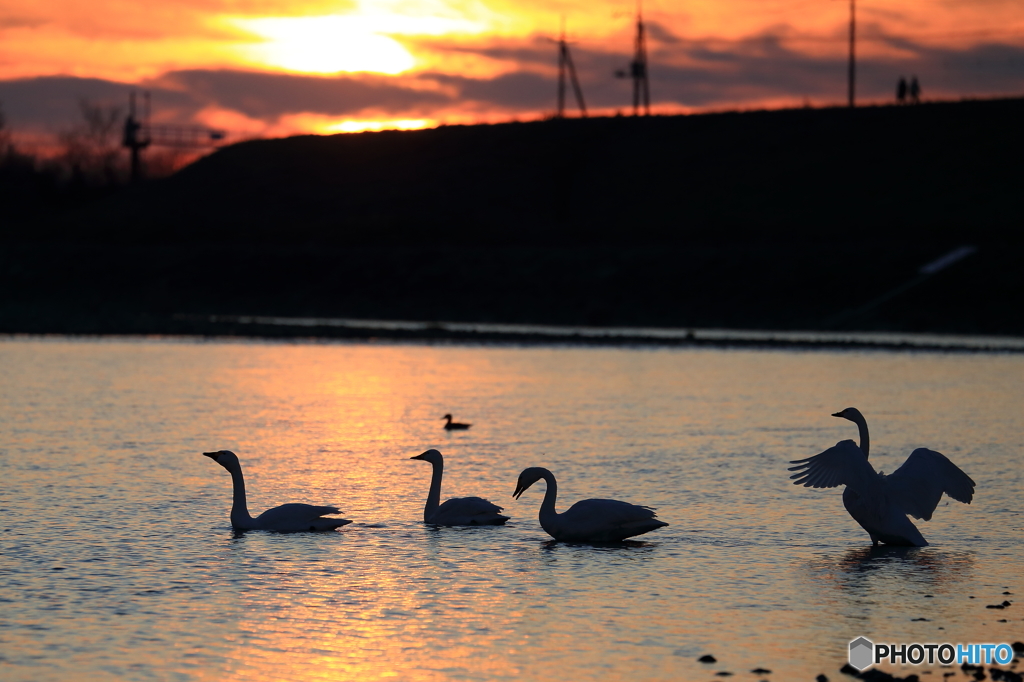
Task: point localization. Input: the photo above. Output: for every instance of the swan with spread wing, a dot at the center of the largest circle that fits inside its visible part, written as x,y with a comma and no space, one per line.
587,520
880,503
458,511
288,518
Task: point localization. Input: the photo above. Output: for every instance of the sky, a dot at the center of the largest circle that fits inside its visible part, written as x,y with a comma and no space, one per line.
280,67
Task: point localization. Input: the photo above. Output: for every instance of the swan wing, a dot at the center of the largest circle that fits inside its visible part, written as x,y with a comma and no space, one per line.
606,520
467,511
297,516
842,464
918,484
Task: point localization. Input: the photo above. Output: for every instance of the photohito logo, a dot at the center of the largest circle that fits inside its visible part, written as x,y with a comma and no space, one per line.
864,653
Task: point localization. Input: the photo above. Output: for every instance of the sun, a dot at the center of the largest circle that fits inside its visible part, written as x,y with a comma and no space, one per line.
325,45
360,40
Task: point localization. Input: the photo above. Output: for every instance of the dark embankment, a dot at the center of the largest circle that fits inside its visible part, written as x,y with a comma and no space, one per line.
800,219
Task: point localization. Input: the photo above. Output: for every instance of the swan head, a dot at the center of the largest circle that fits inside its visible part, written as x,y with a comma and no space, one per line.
432,456
851,413
447,416
526,479
225,458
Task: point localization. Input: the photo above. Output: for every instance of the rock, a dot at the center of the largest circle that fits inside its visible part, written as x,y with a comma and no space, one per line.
821,678
760,671
1018,647
1008,675
707,658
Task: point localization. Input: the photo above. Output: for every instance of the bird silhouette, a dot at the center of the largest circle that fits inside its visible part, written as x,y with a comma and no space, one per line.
458,511
454,426
880,503
587,520
288,518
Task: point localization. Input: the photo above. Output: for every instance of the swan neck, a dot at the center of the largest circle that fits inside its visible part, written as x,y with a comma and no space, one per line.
862,426
547,507
434,496
239,508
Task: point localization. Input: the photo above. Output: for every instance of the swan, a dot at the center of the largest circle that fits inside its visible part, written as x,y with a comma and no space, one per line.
458,511
454,426
286,518
587,520
880,503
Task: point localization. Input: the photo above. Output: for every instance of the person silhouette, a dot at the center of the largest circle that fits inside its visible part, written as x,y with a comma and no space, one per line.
915,91
901,91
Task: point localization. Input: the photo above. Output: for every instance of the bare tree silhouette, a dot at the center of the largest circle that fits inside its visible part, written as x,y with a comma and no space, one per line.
5,135
92,150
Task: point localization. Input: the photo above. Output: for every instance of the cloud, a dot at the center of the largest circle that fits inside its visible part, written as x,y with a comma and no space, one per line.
267,95
685,75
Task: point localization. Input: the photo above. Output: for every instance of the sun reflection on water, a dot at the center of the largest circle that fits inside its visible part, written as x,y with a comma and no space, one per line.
105,440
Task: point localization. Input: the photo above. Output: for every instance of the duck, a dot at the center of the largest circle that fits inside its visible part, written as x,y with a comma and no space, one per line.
881,504
594,520
288,518
458,511
454,426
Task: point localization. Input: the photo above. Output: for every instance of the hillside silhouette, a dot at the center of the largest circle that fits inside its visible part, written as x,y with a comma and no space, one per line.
790,219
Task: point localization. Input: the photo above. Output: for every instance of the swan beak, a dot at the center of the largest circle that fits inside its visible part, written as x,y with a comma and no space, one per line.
520,489
837,414
212,455
417,457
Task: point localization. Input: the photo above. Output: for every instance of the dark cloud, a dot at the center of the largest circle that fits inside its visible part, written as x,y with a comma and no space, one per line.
523,90
537,50
268,95
52,103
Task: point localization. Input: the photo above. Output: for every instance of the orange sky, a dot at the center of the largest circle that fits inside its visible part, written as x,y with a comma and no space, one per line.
281,66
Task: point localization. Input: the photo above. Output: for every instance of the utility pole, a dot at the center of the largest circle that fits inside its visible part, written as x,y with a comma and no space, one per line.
852,74
638,68
139,134
565,65
136,136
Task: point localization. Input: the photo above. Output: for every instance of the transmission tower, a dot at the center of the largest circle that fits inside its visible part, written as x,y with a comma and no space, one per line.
638,68
140,134
565,66
136,136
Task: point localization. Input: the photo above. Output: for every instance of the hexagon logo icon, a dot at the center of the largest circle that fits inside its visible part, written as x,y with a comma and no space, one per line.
862,653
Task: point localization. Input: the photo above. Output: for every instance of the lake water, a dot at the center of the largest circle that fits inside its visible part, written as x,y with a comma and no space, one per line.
117,561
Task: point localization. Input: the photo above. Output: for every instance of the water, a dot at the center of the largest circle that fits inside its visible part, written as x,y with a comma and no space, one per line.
117,561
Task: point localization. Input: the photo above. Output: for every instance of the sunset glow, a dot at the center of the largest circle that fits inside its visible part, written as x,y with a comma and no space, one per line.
360,40
330,65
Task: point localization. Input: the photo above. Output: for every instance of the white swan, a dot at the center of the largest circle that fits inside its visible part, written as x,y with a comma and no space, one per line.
287,518
880,503
458,511
454,426
587,520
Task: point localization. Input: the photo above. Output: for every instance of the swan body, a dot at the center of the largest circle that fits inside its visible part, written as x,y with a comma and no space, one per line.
880,503
454,426
288,518
587,520
458,511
